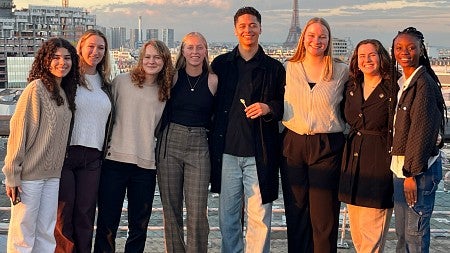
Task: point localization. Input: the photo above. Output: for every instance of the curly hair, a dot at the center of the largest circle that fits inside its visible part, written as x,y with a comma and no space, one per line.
40,70
181,60
164,78
300,52
104,66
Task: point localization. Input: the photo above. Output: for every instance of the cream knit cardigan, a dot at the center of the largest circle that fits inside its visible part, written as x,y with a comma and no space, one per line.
38,136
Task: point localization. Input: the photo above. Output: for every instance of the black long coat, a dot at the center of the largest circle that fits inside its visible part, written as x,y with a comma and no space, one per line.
366,178
271,74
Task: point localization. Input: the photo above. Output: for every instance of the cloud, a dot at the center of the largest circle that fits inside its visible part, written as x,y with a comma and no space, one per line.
214,18
350,10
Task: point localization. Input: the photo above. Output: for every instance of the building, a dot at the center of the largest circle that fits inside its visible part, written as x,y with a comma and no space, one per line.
6,7
18,69
151,34
23,31
117,37
342,48
168,37
53,21
135,38
123,59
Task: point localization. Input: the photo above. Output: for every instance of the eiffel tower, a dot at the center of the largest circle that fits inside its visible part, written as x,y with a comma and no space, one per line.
295,30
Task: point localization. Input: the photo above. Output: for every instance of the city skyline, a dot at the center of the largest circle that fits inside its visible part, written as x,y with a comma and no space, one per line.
214,18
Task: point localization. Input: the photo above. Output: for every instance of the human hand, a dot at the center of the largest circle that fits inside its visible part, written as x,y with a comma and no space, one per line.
14,194
256,110
410,190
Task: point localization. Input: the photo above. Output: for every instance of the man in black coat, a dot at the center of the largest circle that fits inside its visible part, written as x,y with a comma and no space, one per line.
245,141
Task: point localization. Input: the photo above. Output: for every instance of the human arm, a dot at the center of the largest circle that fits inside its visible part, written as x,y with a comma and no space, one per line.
271,105
14,193
212,83
423,129
23,130
410,191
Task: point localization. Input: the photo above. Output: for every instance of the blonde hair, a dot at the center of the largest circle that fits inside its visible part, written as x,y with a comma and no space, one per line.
300,52
181,60
103,67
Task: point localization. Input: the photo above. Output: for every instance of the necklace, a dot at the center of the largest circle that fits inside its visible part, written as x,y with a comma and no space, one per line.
196,82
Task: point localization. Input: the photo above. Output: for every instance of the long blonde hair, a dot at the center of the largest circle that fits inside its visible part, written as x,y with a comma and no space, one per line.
104,66
181,60
300,52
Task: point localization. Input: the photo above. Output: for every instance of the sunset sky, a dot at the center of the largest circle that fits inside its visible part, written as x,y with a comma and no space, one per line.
214,18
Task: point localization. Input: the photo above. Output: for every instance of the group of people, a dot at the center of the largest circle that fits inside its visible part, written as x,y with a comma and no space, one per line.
80,140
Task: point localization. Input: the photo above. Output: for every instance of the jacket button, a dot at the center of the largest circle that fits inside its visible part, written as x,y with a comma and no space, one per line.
109,153
355,154
360,115
358,133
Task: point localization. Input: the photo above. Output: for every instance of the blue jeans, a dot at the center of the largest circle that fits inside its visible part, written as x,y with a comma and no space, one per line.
412,225
239,184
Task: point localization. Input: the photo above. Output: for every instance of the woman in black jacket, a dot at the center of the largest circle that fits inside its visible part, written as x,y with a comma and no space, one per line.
366,178
416,162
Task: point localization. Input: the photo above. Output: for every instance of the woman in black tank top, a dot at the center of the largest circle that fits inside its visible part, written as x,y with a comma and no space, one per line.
182,153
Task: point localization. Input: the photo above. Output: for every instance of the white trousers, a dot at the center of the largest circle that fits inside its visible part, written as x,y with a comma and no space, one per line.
32,224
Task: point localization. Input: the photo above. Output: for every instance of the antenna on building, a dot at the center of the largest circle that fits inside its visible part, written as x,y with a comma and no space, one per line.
295,30
65,4
140,29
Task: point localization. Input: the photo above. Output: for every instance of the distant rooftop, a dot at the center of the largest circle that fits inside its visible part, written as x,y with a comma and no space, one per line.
9,96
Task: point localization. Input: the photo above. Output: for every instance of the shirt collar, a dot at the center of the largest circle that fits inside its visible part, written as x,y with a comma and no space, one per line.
258,56
403,83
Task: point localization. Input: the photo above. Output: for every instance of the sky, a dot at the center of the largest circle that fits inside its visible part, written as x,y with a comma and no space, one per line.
356,20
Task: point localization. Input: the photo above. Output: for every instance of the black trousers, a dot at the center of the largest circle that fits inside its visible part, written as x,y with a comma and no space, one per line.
118,178
310,172
77,200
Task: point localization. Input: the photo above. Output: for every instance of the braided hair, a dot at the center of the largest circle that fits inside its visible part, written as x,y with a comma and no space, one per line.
424,60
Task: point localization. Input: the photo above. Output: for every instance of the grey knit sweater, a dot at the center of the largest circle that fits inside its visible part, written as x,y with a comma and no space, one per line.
38,136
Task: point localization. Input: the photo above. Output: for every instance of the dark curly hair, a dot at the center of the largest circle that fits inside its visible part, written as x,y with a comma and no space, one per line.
164,78
40,70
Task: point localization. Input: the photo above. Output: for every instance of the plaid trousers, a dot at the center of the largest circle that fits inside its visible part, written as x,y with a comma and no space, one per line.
184,165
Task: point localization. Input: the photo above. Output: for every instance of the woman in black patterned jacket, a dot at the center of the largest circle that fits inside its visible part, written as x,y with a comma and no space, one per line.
416,162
